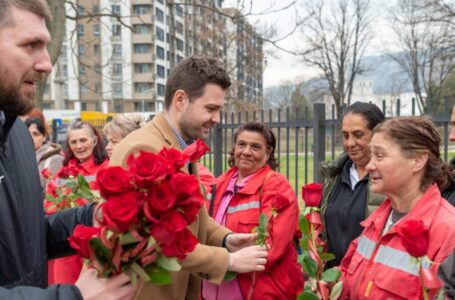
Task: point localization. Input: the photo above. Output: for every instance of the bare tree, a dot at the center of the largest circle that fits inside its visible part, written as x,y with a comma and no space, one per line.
72,11
337,36
427,48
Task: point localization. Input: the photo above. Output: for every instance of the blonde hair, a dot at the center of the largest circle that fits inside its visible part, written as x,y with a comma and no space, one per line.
122,124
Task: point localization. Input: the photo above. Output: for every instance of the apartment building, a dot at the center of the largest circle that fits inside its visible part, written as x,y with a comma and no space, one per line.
117,54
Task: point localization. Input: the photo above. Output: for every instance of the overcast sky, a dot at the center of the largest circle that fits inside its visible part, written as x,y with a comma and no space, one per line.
282,66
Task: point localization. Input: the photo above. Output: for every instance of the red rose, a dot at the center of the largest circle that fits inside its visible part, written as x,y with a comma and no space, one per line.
113,180
147,168
414,237
196,150
161,198
46,173
184,185
191,207
80,239
120,212
66,172
312,194
173,221
184,242
174,157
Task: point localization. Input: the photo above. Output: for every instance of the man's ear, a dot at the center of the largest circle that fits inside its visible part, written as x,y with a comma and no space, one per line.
180,99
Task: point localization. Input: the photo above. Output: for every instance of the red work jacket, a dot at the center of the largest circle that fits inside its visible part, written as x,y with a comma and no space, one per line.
267,189
378,267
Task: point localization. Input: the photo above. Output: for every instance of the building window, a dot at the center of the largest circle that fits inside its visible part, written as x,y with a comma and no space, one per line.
179,27
64,50
142,29
178,10
179,58
83,106
159,15
141,48
160,71
160,34
97,69
81,10
81,49
160,89
95,8
80,30
179,44
160,52
96,49
96,29
142,87
97,87
117,69
83,88
82,69
141,9
142,68
117,88
116,30
116,10
117,49
141,106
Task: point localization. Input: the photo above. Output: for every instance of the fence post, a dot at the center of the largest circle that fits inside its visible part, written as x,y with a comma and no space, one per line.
217,150
54,130
318,139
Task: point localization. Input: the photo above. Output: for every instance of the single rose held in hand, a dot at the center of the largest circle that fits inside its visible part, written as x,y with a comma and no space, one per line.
144,217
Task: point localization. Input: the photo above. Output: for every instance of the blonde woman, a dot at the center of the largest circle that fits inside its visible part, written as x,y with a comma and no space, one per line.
119,127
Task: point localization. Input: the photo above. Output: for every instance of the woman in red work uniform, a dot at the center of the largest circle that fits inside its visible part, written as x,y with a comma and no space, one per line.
85,153
250,187
406,166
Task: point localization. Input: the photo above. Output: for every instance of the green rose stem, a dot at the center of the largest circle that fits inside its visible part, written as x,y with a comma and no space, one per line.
419,267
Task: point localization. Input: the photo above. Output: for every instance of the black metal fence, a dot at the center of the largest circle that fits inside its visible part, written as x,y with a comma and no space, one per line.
305,138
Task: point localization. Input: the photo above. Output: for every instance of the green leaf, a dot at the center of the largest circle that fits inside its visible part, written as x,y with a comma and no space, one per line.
139,271
262,229
303,224
310,267
336,291
331,275
229,276
158,275
102,254
170,264
326,256
50,197
127,238
307,296
133,276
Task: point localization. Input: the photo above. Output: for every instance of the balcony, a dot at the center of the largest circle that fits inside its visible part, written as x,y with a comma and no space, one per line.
147,38
144,77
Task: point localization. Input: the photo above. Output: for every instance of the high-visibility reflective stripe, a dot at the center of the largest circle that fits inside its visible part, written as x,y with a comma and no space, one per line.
61,181
244,206
365,246
393,258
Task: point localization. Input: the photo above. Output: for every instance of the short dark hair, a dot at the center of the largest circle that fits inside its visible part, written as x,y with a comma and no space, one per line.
372,114
192,75
38,7
268,135
39,125
99,152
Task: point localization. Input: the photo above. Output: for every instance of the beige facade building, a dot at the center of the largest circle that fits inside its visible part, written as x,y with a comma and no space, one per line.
119,60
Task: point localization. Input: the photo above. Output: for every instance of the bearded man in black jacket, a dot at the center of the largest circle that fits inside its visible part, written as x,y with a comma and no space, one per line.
28,238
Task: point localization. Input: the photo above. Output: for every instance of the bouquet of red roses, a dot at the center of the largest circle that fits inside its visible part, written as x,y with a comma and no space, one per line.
68,189
320,283
144,217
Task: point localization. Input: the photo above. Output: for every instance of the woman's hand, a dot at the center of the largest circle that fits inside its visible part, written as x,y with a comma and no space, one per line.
114,288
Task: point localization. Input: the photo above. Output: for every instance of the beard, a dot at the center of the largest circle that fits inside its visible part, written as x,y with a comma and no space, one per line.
11,101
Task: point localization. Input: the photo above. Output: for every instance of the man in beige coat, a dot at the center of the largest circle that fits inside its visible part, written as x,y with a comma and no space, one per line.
195,93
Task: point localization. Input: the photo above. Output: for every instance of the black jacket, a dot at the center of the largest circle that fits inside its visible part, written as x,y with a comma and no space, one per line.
27,237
